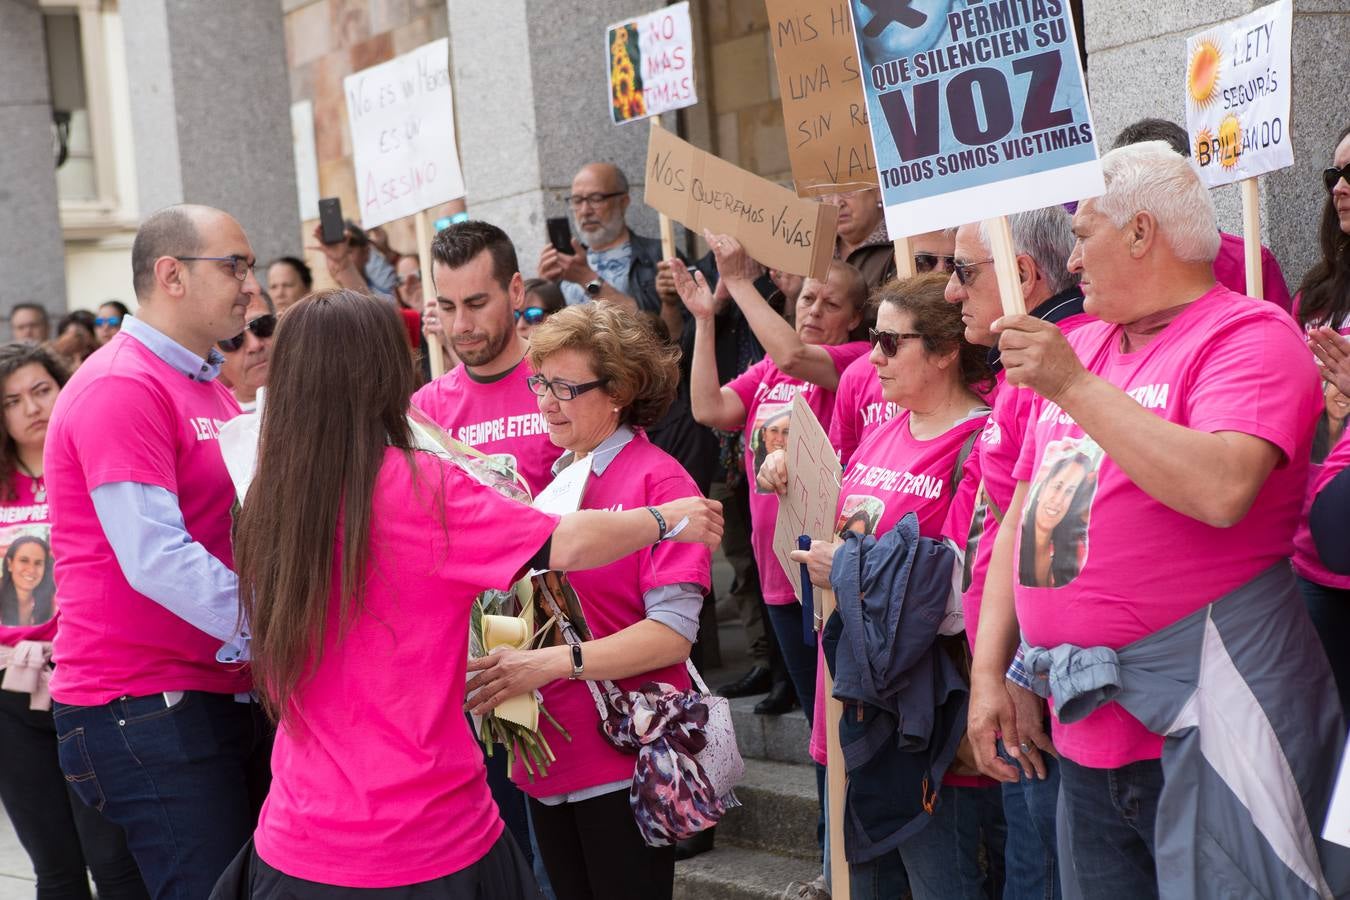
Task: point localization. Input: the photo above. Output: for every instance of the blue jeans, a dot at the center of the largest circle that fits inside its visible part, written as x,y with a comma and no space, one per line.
1105,830
941,862
1029,854
1329,609
800,660
185,782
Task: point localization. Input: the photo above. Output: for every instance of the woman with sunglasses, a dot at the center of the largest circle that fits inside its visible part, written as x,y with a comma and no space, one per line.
109,320
542,299
913,463
65,839
247,353
358,567
1323,300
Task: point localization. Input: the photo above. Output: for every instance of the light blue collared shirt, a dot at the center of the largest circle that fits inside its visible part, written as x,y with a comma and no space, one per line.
145,527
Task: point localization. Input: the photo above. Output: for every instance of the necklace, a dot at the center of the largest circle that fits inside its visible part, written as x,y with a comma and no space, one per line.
39,486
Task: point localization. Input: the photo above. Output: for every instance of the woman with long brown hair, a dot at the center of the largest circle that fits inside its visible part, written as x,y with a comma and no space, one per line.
359,557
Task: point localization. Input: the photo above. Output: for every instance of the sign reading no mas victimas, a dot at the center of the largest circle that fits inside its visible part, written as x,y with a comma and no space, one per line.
977,109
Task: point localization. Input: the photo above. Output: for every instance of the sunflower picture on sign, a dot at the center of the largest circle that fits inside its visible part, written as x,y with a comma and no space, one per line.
625,79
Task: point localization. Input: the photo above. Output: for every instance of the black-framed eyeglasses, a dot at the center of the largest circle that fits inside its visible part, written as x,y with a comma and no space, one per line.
262,327
1333,175
561,389
110,321
929,262
965,272
577,201
241,264
532,315
889,341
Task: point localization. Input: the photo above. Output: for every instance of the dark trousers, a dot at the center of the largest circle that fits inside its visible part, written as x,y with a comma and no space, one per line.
800,661
593,850
61,835
1329,609
1105,824
184,781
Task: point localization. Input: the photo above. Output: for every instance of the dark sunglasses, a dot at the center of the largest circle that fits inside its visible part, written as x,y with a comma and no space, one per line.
262,327
532,315
965,272
111,321
889,341
561,389
1333,175
928,262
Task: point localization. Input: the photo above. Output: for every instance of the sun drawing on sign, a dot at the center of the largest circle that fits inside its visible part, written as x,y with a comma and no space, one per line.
1230,141
1202,73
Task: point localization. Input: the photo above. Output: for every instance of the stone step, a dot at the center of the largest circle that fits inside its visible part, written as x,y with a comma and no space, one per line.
779,738
778,810
738,873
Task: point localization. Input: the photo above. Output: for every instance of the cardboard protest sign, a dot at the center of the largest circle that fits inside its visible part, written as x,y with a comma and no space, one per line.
1237,95
698,190
403,134
813,489
820,86
651,64
977,110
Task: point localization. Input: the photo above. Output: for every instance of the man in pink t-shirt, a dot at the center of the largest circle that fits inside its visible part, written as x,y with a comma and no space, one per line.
156,725
1163,467
484,401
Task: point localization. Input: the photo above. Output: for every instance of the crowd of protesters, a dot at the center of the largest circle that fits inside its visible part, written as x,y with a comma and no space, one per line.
1137,689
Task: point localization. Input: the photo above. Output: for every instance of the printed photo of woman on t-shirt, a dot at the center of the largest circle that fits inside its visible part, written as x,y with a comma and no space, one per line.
27,590
770,432
860,514
1055,519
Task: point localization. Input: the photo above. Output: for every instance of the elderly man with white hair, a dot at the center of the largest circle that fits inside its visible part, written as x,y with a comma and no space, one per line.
1145,563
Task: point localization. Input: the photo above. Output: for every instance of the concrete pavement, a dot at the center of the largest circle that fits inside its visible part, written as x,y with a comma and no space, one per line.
16,873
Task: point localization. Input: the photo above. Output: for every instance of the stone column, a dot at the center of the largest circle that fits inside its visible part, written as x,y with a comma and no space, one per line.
1136,68
32,255
531,109
210,104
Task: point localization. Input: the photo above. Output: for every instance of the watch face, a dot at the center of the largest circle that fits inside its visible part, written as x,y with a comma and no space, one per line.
593,288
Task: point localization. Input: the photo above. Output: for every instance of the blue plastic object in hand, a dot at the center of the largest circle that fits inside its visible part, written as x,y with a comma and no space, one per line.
808,599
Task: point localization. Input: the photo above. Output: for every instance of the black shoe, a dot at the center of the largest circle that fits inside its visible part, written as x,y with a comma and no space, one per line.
699,843
781,699
756,681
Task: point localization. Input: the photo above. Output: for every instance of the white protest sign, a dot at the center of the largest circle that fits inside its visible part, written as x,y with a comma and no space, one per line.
650,64
403,134
1237,95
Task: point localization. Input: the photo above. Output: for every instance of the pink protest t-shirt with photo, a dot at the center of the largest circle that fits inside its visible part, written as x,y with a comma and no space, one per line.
377,780
500,418
640,475
126,415
25,522
859,408
974,527
767,392
1307,562
1098,562
894,473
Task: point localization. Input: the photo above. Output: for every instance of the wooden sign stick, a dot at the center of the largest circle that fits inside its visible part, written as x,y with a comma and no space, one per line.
667,228
836,778
1251,237
1005,266
436,360
904,258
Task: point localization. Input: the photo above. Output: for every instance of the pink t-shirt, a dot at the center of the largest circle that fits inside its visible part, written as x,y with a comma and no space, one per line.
1306,560
894,473
27,517
376,779
500,418
859,408
767,393
126,415
1120,565
1230,270
611,598
975,526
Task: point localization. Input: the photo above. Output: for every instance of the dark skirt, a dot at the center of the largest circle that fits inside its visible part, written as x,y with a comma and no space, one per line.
502,874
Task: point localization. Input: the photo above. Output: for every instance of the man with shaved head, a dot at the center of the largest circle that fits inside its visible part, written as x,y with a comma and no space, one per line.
609,263
156,724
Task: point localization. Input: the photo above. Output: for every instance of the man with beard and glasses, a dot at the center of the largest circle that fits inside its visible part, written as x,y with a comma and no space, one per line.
610,262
